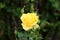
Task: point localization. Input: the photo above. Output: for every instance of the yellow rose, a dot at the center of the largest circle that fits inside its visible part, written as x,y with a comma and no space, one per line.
29,20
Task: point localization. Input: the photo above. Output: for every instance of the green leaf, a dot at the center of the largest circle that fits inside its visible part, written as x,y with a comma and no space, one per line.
32,0
2,5
22,10
20,34
32,8
26,1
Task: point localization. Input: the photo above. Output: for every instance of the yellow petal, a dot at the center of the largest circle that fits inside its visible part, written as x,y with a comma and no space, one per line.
36,26
26,28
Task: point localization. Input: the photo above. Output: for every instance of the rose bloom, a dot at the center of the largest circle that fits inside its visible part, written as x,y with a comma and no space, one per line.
29,21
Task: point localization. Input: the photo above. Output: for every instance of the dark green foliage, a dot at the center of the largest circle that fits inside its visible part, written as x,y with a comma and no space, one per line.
48,12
